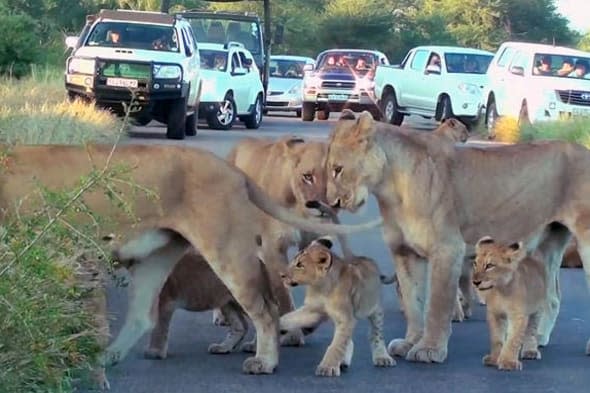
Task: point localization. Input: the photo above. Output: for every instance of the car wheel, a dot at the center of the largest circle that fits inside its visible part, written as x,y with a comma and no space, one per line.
298,113
176,119
390,110
491,119
191,124
225,116
253,120
324,114
523,116
308,112
446,111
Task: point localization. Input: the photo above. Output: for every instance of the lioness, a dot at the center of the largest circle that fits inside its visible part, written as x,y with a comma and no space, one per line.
202,202
434,198
343,291
193,286
514,286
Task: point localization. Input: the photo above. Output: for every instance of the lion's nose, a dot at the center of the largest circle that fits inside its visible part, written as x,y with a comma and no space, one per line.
337,204
476,283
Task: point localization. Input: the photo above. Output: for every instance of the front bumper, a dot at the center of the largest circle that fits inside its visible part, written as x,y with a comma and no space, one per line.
340,97
147,90
283,102
559,111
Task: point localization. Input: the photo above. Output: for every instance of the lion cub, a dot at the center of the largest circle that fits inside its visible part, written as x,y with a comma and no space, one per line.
514,288
342,291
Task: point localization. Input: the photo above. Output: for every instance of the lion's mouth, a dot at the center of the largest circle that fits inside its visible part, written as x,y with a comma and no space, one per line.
485,288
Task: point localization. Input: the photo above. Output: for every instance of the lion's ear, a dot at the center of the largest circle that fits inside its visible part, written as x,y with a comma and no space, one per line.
483,241
324,261
365,124
293,141
324,241
288,144
515,251
452,122
347,114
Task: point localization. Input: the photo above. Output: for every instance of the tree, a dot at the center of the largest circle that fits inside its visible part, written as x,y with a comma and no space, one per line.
19,43
584,43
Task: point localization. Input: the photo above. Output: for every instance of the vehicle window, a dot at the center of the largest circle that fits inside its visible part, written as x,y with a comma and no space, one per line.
188,48
243,60
405,60
235,62
190,37
215,60
283,68
519,60
133,36
466,63
357,62
222,31
419,60
561,65
505,57
434,60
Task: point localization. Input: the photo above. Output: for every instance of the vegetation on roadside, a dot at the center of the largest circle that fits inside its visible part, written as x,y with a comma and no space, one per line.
575,130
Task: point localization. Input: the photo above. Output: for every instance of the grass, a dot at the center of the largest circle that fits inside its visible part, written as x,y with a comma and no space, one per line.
51,270
35,110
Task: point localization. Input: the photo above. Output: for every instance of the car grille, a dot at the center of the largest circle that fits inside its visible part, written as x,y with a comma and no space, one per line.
275,93
277,103
574,97
125,70
338,85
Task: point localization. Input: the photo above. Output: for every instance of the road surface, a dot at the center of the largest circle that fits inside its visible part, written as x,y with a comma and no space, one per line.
189,368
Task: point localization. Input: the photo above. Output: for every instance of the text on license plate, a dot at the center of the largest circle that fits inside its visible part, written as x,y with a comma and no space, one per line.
581,112
121,82
337,97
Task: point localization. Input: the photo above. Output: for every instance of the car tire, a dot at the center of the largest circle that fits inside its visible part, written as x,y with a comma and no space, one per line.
446,109
324,114
298,113
176,119
225,116
190,127
491,119
308,111
390,110
253,120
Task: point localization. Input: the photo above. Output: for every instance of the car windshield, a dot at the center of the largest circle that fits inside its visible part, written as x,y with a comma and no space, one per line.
281,68
564,66
134,36
467,63
220,31
357,62
215,60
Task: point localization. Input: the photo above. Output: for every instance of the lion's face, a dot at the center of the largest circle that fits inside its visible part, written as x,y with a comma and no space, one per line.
495,263
454,130
353,163
310,265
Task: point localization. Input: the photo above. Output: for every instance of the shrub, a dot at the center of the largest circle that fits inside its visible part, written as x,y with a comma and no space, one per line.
19,43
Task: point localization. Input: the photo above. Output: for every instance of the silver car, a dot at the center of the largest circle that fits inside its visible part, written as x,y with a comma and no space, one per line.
285,84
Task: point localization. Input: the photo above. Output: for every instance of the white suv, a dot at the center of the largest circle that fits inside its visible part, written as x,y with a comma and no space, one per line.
231,86
536,82
151,54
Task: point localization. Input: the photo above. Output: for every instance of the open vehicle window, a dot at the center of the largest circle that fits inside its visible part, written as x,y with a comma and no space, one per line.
463,63
215,60
134,36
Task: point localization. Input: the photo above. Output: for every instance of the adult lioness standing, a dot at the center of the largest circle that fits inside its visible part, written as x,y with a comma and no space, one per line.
434,200
202,202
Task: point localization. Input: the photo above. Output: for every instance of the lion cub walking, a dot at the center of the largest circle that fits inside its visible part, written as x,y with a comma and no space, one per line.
342,291
514,287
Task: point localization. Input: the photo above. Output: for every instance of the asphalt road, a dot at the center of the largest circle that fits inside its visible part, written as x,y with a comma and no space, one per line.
189,368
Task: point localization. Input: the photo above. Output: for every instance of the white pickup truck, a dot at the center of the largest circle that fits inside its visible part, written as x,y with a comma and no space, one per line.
434,82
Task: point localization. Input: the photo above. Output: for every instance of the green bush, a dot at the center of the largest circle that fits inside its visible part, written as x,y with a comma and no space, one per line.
574,130
19,43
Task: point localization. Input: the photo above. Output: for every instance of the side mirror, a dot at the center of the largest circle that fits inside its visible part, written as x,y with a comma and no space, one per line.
517,70
308,67
432,69
247,63
71,41
279,32
239,71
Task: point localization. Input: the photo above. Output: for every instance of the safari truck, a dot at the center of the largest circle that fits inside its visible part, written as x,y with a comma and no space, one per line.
437,82
149,56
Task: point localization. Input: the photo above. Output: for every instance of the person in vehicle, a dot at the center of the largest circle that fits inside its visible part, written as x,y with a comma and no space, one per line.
580,70
434,61
361,64
567,67
544,68
114,37
220,62
471,66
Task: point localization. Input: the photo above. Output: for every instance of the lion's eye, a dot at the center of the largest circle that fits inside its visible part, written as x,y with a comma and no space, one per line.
489,266
299,265
337,170
308,178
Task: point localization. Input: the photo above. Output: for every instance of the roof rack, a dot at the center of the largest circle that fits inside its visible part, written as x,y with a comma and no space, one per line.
220,13
137,16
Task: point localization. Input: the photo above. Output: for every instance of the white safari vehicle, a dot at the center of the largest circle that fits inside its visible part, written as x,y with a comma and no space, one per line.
231,86
434,82
285,83
152,54
537,82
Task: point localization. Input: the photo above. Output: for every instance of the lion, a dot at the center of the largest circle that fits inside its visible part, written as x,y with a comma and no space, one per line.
437,199
452,130
343,291
181,198
514,284
192,286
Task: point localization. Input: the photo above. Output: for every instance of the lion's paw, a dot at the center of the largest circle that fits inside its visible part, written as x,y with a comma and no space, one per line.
218,318
489,360
218,349
424,354
249,347
327,371
292,338
256,365
110,357
399,347
509,364
458,314
155,353
384,361
531,354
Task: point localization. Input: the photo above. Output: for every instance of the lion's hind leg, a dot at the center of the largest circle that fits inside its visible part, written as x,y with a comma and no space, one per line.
238,327
582,234
378,350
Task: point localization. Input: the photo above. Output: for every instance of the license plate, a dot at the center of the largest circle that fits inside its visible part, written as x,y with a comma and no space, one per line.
121,82
580,112
337,97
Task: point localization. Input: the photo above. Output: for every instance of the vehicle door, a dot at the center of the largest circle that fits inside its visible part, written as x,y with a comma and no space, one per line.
193,64
409,78
429,86
498,74
513,88
239,82
253,75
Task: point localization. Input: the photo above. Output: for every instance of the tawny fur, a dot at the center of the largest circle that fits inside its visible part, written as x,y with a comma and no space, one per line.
515,287
343,291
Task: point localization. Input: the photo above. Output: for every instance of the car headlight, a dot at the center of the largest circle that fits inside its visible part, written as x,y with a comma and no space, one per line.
295,89
167,71
81,66
469,88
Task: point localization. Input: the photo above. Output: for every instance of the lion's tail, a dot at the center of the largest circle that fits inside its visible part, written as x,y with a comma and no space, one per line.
270,207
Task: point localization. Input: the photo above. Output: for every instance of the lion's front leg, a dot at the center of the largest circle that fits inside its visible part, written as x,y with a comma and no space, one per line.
509,356
497,327
336,353
158,346
380,356
445,264
238,327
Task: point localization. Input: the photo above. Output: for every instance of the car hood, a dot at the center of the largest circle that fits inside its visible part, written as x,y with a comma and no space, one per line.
336,75
476,79
559,83
283,84
129,54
